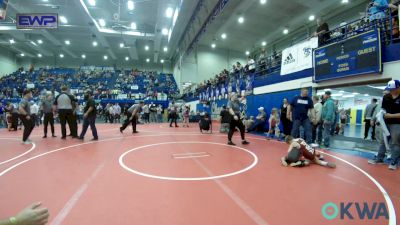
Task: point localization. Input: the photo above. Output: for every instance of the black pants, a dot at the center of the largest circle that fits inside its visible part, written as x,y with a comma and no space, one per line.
28,127
367,126
232,127
147,117
89,121
34,118
67,116
128,121
287,126
173,118
48,118
14,121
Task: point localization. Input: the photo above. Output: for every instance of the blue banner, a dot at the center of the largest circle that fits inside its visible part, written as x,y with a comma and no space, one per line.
357,55
37,21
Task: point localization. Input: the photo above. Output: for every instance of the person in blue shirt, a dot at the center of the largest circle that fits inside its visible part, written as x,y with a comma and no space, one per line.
298,111
376,9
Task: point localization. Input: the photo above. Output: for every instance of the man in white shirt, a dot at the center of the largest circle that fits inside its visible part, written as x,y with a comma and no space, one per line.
117,112
34,113
317,125
111,113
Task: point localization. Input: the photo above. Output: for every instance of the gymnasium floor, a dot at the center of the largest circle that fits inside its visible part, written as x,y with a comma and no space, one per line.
177,176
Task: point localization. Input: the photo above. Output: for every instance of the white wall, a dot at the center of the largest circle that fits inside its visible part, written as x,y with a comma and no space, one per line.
204,63
8,62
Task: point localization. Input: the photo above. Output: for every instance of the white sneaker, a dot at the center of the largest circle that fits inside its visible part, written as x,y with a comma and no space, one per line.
27,142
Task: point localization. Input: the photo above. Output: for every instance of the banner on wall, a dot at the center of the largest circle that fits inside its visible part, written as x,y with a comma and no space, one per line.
298,57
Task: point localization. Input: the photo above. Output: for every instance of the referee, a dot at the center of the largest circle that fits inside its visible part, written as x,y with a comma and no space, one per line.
65,104
132,115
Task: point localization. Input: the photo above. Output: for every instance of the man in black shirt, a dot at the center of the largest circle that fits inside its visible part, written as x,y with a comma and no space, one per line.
65,104
25,115
391,104
89,116
322,32
225,120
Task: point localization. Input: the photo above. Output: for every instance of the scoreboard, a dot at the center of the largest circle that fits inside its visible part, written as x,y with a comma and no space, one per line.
360,54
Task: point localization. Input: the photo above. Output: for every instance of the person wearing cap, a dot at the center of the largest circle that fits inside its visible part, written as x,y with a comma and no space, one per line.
391,104
260,121
328,117
25,116
132,115
89,116
298,111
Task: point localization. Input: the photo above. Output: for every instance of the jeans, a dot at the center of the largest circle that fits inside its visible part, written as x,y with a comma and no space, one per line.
257,126
327,133
306,124
89,121
394,130
317,133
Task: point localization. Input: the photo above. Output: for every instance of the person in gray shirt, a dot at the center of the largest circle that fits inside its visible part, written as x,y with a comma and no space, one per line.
369,113
65,104
48,111
132,117
236,121
25,116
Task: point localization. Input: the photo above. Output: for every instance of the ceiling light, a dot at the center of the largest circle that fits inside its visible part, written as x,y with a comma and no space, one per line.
12,41
39,55
146,48
345,1
22,54
102,22
241,20
247,53
67,42
366,95
63,19
147,60
263,2
94,43
285,31
341,91
131,5
164,31
33,43
311,18
213,45
92,2
133,26
355,93
105,57
61,55
45,0
126,58
264,43
162,60
336,95
348,96
169,12
223,36
165,49
121,45
40,41
327,89
83,56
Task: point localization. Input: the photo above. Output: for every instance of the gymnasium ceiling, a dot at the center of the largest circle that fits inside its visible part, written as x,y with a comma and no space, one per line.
262,22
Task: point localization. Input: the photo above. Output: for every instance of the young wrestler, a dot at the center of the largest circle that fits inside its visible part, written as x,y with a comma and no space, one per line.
302,154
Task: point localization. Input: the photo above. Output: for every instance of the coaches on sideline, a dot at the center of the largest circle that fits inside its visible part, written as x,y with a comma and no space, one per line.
132,116
65,104
89,116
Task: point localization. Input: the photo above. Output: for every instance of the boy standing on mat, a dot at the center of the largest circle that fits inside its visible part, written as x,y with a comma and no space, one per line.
25,115
302,154
132,117
234,110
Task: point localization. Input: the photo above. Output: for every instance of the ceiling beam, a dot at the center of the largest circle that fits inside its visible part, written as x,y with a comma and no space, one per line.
23,38
56,42
132,50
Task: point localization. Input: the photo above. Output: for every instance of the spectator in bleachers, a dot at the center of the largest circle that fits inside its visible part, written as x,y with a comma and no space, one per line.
298,111
251,65
322,32
376,9
260,121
